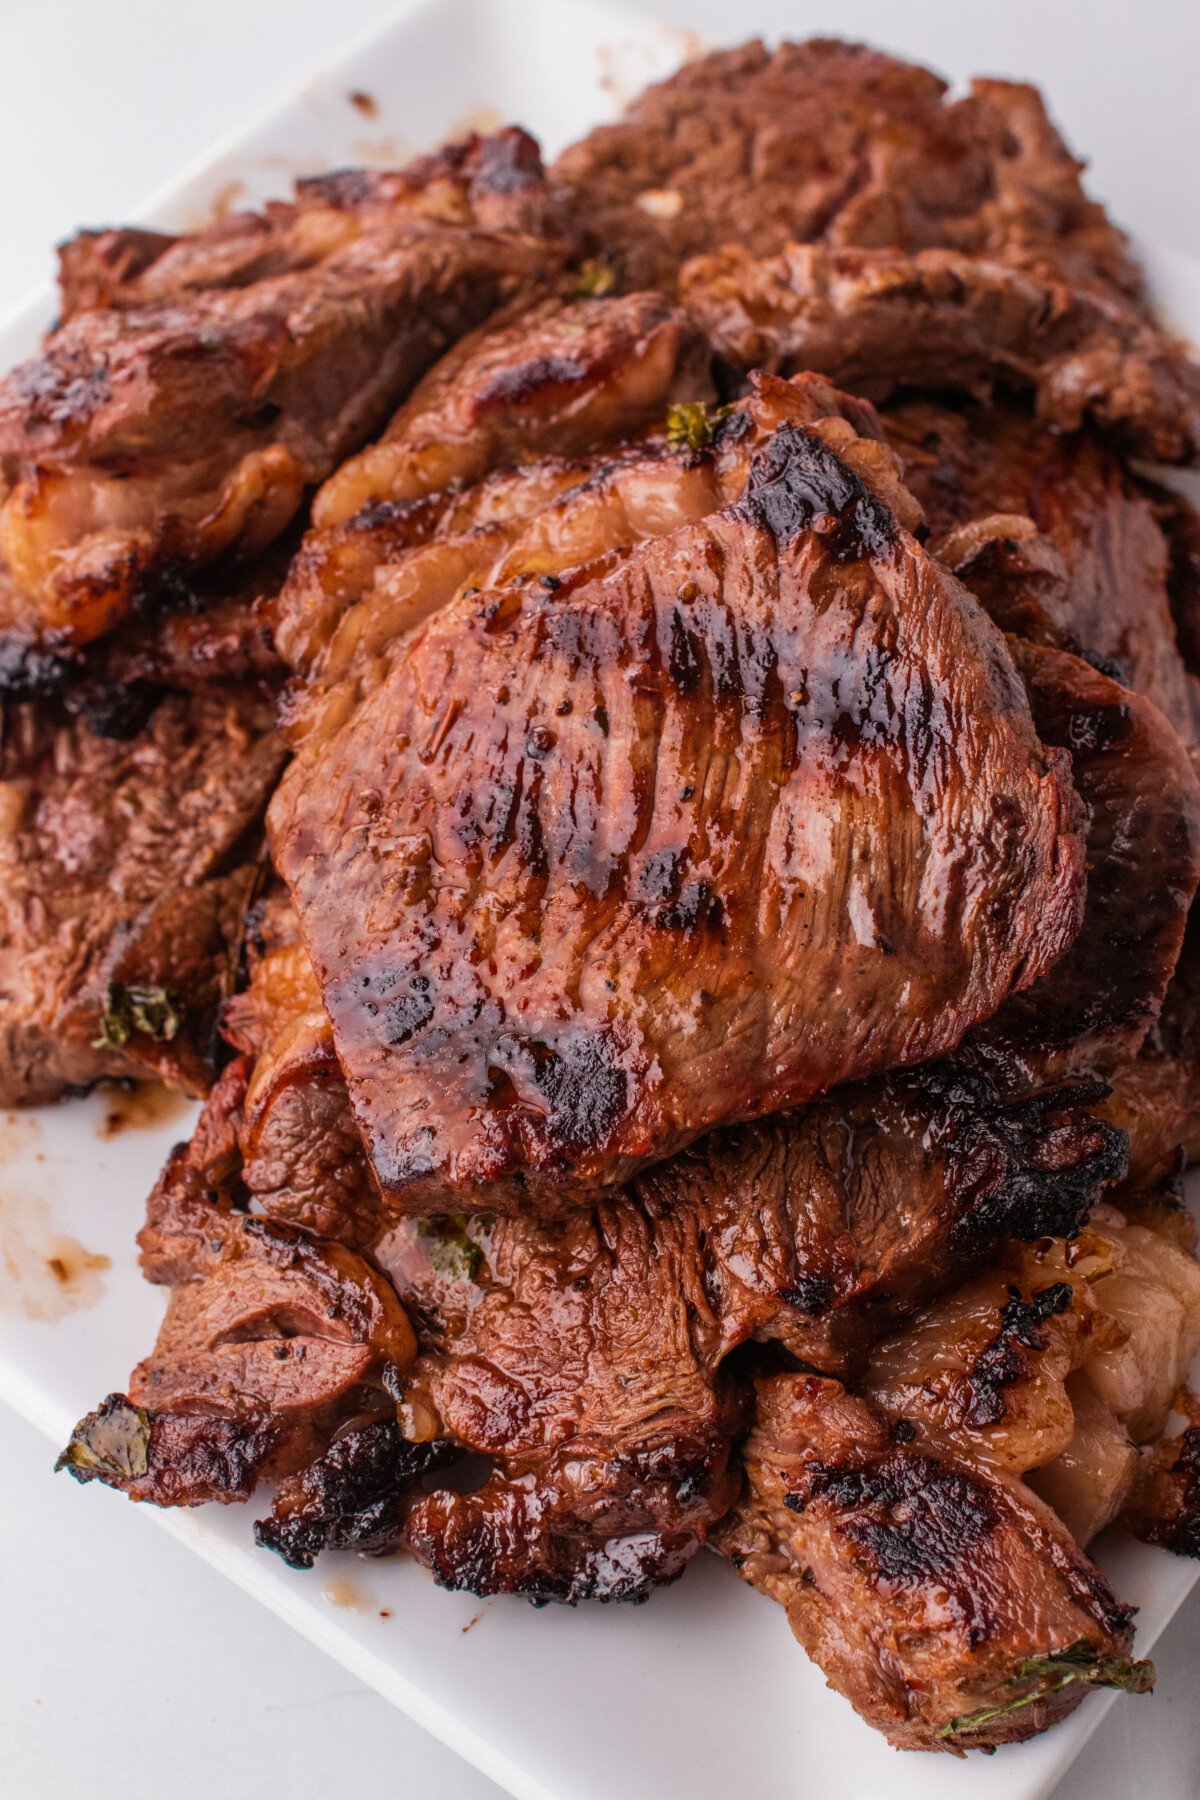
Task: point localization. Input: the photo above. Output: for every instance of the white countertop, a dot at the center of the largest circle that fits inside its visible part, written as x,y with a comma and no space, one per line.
128,1669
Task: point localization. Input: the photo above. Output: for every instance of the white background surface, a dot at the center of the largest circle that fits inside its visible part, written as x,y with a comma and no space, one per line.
127,1668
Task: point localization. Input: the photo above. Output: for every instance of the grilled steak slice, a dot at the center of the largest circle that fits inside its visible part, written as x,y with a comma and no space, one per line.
1092,1012
833,142
608,784
582,1365
131,847
1052,1365
184,419
568,377
563,378
938,1594
876,320
269,1342
1098,576
817,1230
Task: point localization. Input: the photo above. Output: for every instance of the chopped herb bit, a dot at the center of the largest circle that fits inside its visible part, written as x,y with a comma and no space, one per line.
596,278
688,426
692,425
112,1442
1055,1671
150,1010
453,1251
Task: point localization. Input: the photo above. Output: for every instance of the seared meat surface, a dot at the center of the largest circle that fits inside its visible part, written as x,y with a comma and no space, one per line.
179,413
879,319
934,1591
838,143
615,922
720,1031
561,378
1054,536
568,378
129,852
269,1341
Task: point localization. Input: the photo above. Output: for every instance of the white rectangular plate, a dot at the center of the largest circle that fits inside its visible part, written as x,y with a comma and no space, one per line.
702,1691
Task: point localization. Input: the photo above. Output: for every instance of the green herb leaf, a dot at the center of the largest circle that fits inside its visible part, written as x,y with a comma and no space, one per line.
150,1010
692,425
1055,1671
112,1442
596,278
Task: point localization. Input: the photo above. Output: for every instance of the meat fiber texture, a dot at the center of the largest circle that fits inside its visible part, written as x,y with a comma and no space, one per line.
739,850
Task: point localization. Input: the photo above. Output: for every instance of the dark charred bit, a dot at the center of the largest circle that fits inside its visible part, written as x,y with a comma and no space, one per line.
469,1550
112,709
812,1294
912,1517
798,484
349,1498
1003,1361
1025,1167
1165,1508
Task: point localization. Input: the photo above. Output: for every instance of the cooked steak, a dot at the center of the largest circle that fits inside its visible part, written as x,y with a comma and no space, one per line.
269,1342
131,846
570,378
936,1592
876,320
564,377
834,142
1095,577
184,416
1091,1013
598,1344
615,837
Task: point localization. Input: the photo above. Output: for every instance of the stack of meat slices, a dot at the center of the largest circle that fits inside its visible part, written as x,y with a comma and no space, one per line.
719,1041
153,460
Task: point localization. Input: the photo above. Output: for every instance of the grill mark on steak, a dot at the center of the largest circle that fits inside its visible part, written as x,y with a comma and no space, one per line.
803,668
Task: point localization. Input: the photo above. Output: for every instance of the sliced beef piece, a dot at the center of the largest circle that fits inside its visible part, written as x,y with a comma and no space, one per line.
492,183
183,419
1096,576
1054,1363
536,394
580,1363
838,143
782,728
1091,1013
301,1156
939,1595
564,377
270,1342
96,267
582,1367
878,320
131,845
